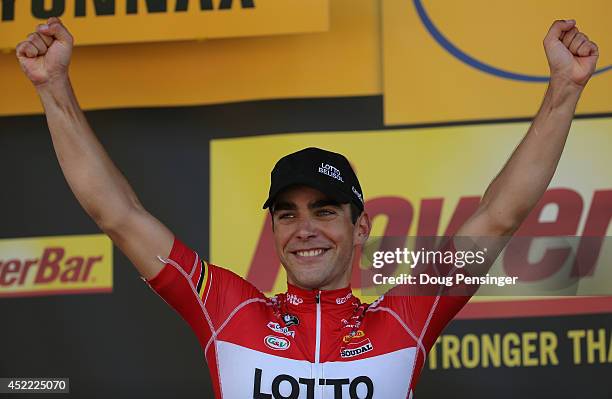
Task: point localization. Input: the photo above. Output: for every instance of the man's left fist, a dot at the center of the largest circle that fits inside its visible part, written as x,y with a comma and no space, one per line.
572,57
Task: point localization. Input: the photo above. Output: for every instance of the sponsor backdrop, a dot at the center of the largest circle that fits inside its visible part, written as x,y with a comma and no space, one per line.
103,21
56,265
129,344
418,182
200,161
490,53
343,61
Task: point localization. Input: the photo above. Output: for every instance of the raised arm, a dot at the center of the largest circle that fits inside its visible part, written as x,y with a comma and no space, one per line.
524,178
96,182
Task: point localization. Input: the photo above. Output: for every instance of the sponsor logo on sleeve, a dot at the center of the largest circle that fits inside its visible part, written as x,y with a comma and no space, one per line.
277,343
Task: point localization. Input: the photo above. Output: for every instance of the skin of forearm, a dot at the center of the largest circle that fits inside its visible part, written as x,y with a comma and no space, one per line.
526,175
96,182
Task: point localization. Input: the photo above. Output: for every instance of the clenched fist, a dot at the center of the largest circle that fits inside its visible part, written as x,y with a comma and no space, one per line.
571,55
45,55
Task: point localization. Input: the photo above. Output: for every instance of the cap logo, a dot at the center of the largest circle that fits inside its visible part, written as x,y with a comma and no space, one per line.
357,193
330,171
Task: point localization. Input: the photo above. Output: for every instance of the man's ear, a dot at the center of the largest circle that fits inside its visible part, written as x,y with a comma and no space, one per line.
363,226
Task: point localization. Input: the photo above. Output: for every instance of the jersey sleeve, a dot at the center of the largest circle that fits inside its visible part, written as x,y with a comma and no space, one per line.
202,293
427,309
426,316
424,312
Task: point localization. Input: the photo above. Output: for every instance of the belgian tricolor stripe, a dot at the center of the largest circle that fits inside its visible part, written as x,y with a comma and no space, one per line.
202,280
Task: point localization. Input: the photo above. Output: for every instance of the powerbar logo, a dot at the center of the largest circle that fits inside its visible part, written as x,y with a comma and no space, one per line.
42,9
360,387
55,265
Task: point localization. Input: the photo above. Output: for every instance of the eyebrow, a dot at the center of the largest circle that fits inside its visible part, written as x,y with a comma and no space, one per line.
290,206
324,202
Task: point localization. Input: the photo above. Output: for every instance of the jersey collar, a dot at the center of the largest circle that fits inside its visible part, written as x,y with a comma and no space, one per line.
299,298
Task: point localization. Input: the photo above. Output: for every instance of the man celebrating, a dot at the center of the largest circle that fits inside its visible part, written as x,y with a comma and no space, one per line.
317,340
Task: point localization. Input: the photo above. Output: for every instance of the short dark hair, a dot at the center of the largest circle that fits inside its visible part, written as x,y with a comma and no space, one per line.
355,212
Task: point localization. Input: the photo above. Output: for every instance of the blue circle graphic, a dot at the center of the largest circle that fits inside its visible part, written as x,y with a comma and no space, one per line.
473,62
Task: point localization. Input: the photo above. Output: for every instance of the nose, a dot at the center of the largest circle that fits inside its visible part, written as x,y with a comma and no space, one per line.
306,229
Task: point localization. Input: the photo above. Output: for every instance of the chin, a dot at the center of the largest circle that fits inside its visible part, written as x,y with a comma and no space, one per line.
310,283
311,279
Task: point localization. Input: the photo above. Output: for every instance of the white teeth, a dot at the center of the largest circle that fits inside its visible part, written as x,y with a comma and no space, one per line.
312,252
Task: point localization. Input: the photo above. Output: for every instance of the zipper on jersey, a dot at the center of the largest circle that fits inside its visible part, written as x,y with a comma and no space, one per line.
318,332
318,343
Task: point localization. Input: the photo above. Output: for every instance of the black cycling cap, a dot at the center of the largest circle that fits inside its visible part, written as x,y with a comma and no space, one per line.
326,171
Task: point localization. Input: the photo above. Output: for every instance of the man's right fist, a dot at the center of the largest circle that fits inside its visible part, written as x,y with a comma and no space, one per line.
45,55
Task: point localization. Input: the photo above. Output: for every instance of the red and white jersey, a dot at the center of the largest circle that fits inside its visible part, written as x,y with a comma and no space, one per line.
301,344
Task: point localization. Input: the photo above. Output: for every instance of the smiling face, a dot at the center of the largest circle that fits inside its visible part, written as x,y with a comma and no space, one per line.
315,238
